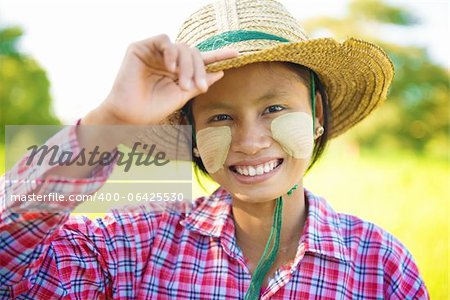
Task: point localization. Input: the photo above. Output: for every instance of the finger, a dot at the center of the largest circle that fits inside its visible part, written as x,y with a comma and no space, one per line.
210,78
171,57
218,55
157,43
199,70
185,67
160,42
152,51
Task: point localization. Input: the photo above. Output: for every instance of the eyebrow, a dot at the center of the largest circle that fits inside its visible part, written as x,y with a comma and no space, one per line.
269,95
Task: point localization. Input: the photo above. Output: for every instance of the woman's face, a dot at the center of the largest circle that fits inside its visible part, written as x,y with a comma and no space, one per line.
249,154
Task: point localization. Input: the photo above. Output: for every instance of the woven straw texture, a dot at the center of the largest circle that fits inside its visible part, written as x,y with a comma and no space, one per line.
356,74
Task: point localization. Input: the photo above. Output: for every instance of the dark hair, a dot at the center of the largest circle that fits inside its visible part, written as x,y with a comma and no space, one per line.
320,143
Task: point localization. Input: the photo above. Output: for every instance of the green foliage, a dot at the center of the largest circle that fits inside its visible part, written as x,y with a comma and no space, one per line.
377,11
8,40
24,88
415,115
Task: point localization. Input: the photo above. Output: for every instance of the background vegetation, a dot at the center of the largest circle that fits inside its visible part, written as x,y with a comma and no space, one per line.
415,117
24,86
392,169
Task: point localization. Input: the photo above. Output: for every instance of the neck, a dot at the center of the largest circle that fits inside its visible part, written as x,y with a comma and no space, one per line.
253,222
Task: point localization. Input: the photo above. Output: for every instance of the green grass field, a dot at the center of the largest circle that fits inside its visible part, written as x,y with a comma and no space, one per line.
405,194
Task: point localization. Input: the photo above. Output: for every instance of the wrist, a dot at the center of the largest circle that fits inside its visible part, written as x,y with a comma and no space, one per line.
99,116
101,130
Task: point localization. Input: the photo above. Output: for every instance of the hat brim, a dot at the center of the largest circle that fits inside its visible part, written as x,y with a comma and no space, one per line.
356,74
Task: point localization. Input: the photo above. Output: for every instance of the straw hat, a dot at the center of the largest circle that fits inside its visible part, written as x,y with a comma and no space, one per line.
356,74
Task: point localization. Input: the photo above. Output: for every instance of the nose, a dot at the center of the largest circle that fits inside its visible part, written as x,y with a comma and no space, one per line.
250,137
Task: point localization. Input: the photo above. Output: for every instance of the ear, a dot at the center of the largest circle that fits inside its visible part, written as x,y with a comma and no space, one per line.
319,109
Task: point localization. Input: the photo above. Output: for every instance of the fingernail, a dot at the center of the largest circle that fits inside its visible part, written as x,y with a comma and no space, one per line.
218,74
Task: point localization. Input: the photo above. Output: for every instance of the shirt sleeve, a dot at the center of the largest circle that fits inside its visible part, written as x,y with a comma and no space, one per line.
402,277
90,259
25,241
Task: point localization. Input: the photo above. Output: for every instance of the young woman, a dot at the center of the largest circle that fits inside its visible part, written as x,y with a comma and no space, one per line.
262,112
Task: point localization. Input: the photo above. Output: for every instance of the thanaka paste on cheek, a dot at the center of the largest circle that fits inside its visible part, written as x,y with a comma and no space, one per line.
213,144
294,132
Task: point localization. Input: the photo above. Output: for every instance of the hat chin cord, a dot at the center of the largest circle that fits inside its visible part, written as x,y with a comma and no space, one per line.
270,252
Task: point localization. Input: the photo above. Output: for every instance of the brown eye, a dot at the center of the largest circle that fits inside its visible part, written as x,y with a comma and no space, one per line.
221,117
274,109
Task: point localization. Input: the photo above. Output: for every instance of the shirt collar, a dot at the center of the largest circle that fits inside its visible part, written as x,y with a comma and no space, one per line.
212,217
210,214
322,233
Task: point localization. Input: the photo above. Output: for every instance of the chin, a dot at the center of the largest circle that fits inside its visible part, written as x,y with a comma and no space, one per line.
258,194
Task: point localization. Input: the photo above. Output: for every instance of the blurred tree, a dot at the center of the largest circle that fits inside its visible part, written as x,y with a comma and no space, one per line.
24,86
416,114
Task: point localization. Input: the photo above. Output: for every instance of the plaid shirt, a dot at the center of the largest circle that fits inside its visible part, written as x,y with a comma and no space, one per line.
167,255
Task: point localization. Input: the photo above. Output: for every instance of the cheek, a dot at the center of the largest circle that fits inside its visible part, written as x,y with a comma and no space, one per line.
294,132
213,144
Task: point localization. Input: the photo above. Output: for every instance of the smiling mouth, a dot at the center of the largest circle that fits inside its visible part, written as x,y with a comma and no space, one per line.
257,170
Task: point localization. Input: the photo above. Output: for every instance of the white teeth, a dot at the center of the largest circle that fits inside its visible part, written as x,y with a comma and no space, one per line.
260,170
251,171
256,170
